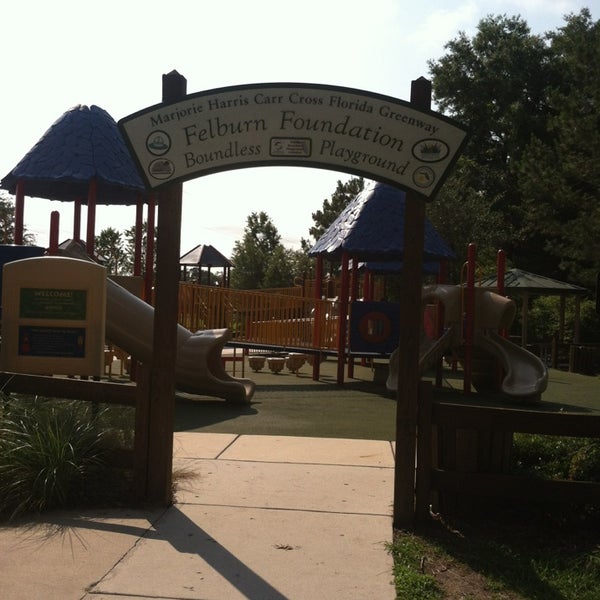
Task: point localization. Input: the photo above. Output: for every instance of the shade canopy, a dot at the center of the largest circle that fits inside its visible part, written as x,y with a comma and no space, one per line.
517,280
83,144
204,256
371,228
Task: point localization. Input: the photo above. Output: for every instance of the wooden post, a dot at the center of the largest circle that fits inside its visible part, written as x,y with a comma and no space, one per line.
408,344
424,452
162,371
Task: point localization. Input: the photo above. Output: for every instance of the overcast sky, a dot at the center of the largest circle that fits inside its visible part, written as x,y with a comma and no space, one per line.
56,55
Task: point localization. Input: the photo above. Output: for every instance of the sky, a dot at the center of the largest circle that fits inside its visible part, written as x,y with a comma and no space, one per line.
113,54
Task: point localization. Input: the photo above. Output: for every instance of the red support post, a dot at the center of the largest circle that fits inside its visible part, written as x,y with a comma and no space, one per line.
54,226
469,317
19,211
149,275
139,225
91,217
316,334
343,318
77,220
354,276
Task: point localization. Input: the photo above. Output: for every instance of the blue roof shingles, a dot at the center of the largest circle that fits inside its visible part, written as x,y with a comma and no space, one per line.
371,228
85,142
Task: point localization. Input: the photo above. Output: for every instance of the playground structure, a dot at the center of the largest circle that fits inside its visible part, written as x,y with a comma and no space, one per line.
199,368
213,318
524,374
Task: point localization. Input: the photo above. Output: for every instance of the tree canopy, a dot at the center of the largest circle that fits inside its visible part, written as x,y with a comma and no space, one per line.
341,197
7,222
527,181
260,259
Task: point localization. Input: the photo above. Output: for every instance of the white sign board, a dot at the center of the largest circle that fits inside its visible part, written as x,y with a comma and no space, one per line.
307,125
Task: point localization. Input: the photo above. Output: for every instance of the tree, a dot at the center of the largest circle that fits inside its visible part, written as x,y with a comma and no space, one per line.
343,195
559,175
109,246
515,91
129,236
7,222
279,271
252,254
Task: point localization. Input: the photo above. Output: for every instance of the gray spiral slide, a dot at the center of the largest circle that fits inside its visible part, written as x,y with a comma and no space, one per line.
525,374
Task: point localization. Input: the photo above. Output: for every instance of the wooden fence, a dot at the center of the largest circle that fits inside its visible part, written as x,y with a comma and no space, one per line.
463,452
255,317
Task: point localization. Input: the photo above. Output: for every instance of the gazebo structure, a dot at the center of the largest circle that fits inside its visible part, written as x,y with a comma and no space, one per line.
82,158
525,285
205,256
370,230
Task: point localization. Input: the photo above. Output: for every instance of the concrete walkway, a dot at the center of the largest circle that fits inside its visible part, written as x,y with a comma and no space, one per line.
260,517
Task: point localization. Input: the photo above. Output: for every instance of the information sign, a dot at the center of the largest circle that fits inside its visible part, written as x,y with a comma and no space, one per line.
337,128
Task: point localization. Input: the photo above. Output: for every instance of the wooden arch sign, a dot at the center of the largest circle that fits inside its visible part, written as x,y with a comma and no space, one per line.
293,124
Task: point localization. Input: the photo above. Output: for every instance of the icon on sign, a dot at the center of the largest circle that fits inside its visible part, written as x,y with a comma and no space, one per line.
430,150
423,177
290,147
158,143
161,168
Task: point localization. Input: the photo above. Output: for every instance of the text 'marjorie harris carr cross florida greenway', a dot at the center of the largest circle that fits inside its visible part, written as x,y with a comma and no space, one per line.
294,124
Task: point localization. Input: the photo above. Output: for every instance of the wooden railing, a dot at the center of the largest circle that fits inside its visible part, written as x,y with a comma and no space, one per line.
463,452
260,318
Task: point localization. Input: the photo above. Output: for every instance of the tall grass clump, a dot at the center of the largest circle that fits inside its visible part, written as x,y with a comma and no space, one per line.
51,455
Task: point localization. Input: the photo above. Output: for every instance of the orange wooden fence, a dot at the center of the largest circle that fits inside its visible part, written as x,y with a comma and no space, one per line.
257,317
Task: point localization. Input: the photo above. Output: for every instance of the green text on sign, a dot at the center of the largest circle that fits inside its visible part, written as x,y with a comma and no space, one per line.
47,303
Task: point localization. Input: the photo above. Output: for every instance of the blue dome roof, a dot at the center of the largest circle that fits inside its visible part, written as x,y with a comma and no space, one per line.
82,144
371,228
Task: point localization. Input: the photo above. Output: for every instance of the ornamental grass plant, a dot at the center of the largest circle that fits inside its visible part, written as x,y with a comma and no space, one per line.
55,454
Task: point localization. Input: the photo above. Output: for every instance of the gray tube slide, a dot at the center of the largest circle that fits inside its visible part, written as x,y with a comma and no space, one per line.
199,368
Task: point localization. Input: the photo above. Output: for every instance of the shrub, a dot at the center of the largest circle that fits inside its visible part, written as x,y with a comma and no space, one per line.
557,457
51,455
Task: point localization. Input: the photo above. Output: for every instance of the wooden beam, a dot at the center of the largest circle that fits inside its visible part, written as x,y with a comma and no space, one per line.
68,388
408,343
162,371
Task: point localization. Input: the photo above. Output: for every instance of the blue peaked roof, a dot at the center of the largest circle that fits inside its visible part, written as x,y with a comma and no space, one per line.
371,228
85,142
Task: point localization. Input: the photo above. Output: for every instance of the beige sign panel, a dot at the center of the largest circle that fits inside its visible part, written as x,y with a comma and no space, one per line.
341,129
53,316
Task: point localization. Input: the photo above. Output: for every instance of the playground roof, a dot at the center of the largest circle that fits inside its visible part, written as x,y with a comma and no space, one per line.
204,256
85,142
371,228
516,280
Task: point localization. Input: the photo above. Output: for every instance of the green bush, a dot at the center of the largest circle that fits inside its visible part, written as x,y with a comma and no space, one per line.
544,320
557,457
52,455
